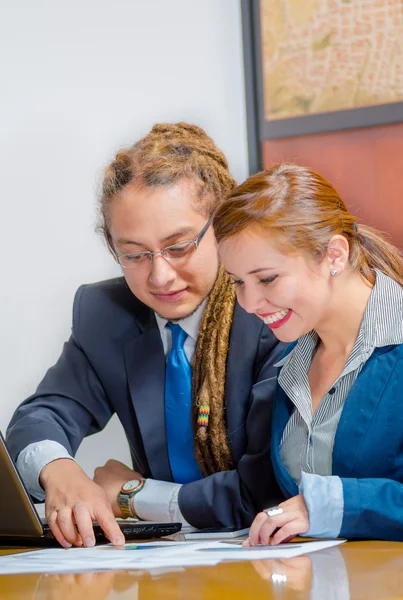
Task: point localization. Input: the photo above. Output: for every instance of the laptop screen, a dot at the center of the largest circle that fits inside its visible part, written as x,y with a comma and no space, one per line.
17,512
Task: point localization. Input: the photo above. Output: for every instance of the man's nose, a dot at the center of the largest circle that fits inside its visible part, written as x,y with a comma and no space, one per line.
162,272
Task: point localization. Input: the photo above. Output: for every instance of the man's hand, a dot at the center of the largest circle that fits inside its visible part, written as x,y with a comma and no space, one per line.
111,477
72,502
293,520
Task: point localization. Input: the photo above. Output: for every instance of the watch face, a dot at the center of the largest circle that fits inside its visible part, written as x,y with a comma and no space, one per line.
131,485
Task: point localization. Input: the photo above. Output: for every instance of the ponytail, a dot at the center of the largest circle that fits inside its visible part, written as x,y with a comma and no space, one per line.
370,250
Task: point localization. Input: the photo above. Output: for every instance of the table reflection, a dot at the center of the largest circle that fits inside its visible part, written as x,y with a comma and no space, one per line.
75,586
318,575
370,570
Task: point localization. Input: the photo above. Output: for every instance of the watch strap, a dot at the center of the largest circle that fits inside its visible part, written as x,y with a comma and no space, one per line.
125,501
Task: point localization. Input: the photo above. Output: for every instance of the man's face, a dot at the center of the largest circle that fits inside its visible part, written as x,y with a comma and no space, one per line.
151,219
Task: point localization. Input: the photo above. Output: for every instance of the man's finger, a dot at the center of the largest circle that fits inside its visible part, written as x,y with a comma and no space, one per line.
67,525
83,520
109,526
52,522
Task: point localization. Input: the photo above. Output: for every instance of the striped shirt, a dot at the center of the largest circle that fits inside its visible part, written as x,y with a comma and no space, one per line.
308,439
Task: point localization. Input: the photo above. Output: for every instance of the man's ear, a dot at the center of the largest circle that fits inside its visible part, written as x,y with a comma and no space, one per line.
338,251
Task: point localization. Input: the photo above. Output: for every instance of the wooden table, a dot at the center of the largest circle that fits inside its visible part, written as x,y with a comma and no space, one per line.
355,570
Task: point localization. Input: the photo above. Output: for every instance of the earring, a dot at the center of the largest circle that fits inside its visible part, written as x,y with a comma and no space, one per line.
333,272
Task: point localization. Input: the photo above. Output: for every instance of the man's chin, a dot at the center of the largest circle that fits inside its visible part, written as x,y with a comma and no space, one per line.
180,313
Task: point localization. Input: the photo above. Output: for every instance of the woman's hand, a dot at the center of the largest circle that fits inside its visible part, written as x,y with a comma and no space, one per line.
282,527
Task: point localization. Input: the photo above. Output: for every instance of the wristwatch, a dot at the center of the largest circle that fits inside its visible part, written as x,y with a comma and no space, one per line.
127,492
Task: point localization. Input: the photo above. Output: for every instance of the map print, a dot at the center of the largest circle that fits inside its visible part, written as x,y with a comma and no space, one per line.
329,55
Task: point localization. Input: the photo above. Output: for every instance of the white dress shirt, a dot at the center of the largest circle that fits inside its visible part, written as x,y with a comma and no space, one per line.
158,500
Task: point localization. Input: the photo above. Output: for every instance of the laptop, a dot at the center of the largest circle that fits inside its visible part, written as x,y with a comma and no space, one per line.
20,524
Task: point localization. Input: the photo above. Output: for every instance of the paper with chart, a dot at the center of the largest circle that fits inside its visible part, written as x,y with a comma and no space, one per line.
148,556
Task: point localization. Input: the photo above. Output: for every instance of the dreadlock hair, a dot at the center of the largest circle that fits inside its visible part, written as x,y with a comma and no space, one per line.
169,154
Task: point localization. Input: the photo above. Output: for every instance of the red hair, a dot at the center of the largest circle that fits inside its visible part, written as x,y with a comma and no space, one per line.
302,211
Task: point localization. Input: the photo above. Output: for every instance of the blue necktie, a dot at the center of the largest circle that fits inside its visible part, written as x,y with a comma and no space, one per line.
178,410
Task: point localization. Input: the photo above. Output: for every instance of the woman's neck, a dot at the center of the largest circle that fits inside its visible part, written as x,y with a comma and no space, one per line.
339,329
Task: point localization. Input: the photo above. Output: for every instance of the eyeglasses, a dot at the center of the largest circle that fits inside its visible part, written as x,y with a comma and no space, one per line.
174,252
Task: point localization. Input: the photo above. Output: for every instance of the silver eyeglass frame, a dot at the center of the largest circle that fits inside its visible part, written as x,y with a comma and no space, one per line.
163,251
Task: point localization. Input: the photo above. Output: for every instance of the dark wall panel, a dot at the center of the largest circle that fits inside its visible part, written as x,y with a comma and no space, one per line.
364,165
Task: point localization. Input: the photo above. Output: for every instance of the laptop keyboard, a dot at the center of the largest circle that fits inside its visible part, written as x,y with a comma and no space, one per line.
131,530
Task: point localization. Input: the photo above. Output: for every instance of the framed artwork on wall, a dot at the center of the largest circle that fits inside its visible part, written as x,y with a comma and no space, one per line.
314,66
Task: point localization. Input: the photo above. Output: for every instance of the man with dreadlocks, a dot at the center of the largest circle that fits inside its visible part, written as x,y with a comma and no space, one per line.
188,372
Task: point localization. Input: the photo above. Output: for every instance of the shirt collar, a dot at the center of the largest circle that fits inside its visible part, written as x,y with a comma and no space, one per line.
190,325
382,324
306,343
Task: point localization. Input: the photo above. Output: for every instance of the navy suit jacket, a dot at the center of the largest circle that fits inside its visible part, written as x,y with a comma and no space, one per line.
368,448
114,363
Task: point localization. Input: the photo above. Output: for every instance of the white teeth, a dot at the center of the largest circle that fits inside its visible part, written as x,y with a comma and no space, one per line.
276,316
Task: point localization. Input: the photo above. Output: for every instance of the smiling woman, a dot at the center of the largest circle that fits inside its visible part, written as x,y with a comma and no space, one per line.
333,288
281,232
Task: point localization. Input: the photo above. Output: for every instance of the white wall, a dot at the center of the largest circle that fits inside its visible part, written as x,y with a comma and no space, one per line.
78,80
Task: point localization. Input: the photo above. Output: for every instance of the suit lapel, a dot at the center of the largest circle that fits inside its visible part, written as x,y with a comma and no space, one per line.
145,367
359,409
282,411
234,382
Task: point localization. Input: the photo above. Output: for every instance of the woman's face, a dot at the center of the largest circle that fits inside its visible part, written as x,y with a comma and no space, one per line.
291,295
